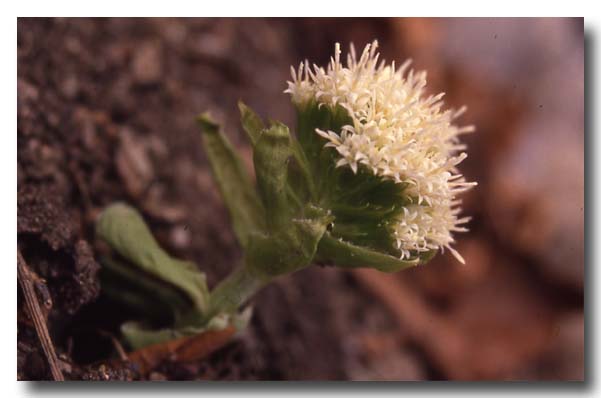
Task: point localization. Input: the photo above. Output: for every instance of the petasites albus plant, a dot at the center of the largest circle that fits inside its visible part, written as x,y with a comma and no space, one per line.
370,179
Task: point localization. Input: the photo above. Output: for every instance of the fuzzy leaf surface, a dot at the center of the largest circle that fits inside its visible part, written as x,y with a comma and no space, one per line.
238,192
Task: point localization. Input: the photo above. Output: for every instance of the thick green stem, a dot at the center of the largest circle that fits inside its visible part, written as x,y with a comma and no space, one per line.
234,291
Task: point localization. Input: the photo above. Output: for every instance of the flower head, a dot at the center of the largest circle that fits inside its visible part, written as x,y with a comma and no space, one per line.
396,132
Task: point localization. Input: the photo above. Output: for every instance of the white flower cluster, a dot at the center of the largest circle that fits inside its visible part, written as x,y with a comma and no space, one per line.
399,134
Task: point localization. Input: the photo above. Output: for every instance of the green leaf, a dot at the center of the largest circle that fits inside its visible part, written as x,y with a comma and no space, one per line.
239,194
347,255
123,228
251,122
291,248
300,183
147,295
271,157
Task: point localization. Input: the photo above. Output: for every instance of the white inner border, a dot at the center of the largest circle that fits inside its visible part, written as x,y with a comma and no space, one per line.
8,38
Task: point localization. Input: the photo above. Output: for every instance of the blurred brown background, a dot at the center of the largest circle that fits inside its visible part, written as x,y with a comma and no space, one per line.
106,112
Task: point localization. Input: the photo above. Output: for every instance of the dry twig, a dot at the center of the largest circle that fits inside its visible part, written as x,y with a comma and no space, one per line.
33,306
